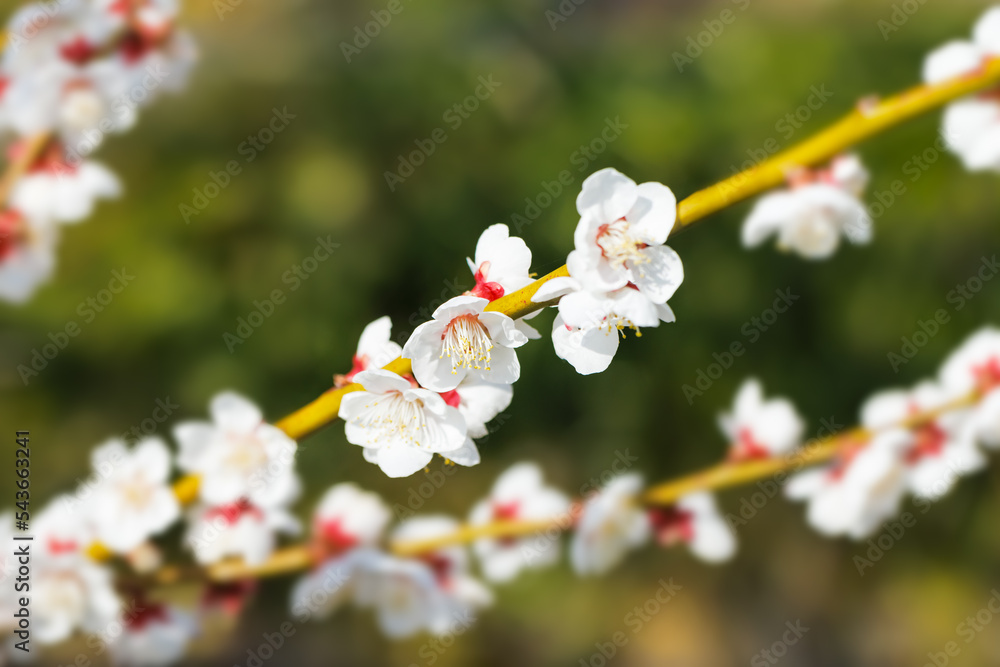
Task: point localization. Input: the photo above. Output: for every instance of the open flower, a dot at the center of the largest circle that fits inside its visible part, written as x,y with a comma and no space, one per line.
238,455
347,518
432,592
400,426
239,530
975,365
935,452
375,349
519,494
619,239
972,125
695,520
860,490
464,340
811,217
590,342
502,263
134,500
611,524
760,429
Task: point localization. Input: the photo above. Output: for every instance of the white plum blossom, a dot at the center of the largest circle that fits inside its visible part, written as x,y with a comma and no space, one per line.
601,319
463,341
63,193
935,454
70,593
501,265
237,530
375,349
27,255
972,125
134,501
519,494
757,428
154,634
611,524
428,592
695,520
238,456
400,426
348,517
983,426
975,365
862,488
820,207
619,239
333,583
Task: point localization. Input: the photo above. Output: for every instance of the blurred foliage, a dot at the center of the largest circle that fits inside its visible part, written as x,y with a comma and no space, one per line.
401,250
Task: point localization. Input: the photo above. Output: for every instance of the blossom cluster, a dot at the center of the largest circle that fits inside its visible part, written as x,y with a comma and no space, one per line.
421,575
72,72
464,360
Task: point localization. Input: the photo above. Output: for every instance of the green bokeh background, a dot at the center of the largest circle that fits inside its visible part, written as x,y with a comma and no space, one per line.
324,176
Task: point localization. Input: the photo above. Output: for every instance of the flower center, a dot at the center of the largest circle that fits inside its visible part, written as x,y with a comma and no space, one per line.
929,441
233,512
748,447
467,343
391,417
987,374
618,246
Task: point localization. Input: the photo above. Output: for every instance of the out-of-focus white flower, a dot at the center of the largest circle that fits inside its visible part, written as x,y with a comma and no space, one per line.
134,500
432,592
984,424
375,350
62,193
935,454
326,588
855,494
239,529
972,125
695,520
8,569
975,365
27,255
400,426
611,524
347,518
62,527
760,429
519,494
238,456
811,217
155,634
619,239
463,341
70,592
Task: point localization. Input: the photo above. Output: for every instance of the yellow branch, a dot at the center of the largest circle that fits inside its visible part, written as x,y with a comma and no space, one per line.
864,122
727,474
